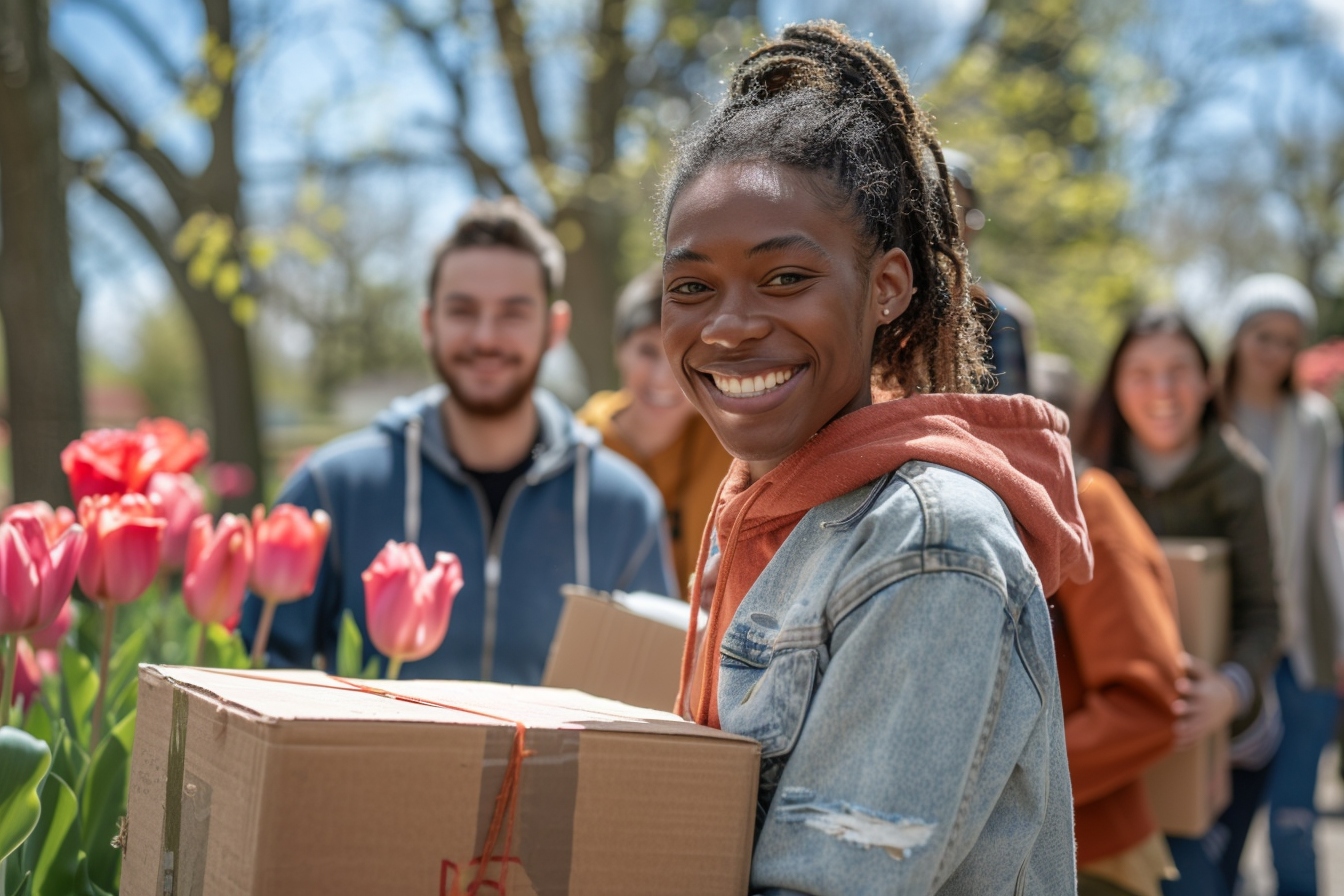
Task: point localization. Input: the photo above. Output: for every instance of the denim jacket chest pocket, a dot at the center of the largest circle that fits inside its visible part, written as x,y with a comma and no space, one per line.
764,692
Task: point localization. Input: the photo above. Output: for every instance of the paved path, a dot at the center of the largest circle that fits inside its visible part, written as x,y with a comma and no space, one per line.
1257,868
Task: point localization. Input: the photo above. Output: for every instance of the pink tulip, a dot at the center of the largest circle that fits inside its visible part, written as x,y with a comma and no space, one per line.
406,606
35,575
180,501
218,563
49,638
54,522
289,548
125,537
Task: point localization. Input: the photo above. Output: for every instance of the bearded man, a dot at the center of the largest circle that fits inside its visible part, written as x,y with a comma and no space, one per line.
487,466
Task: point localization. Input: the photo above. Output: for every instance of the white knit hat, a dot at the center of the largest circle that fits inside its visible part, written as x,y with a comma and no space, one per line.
1271,292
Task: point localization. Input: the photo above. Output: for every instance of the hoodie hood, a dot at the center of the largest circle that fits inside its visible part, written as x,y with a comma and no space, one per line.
560,436
1016,445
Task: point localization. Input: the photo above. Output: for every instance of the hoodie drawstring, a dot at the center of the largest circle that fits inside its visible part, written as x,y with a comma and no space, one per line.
582,570
411,519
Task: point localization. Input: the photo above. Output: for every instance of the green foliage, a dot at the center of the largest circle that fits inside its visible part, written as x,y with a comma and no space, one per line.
83,796
23,761
1023,100
103,802
350,651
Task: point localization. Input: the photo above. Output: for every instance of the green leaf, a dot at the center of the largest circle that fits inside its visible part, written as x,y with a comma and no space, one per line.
23,761
23,888
68,760
225,649
103,802
349,647
124,667
38,723
79,690
53,852
371,669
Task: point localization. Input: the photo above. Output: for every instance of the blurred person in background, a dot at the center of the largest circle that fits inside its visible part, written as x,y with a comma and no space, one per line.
486,466
1007,319
1155,427
1118,648
650,422
1297,431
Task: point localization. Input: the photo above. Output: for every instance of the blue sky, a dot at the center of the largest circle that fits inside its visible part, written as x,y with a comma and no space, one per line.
331,78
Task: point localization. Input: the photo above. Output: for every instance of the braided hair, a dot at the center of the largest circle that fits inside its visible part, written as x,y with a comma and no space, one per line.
818,100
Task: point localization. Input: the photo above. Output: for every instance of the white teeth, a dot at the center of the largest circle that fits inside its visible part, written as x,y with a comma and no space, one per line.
751,386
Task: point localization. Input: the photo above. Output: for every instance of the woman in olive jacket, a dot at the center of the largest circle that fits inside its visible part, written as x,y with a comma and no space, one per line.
1156,428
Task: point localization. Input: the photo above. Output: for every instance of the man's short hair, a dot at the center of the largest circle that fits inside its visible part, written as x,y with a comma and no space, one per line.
508,223
640,304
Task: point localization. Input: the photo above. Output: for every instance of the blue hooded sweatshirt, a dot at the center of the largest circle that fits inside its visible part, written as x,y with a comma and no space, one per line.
581,514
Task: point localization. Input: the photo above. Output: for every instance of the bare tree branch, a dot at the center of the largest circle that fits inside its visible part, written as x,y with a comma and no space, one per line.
133,26
513,41
181,188
607,91
145,227
485,173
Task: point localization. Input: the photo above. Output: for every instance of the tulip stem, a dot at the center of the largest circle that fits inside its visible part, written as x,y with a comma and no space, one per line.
11,669
200,644
263,634
393,668
109,624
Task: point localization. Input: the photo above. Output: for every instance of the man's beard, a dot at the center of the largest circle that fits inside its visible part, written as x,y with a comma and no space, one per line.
501,406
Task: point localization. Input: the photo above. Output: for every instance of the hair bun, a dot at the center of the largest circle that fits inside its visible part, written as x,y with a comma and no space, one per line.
816,55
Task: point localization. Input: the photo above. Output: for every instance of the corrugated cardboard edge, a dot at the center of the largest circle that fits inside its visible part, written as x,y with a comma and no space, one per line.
147,873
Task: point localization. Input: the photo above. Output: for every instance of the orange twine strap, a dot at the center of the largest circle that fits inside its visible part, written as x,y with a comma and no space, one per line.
506,803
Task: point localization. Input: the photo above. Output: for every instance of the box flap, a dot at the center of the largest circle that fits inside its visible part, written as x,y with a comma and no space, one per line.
309,695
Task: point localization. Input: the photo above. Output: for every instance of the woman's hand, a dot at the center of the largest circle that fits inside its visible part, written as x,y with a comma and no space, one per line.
1207,702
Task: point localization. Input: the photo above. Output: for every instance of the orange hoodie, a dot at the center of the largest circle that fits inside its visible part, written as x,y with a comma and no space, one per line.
1015,445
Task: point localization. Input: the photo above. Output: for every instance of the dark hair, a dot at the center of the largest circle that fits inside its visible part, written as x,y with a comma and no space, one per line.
640,304
818,100
504,222
1105,439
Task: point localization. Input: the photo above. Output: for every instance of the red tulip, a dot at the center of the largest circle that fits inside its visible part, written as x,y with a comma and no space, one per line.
180,501
406,606
49,637
125,537
170,447
289,548
115,461
218,563
54,522
35,575
287,555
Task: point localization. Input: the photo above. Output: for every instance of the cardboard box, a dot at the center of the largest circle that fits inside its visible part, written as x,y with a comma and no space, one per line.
625,647
1189,788
293,782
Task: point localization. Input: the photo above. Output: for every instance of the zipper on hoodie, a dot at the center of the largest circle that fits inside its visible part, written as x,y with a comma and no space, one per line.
493,569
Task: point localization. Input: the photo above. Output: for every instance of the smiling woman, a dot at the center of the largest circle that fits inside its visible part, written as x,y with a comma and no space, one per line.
875,559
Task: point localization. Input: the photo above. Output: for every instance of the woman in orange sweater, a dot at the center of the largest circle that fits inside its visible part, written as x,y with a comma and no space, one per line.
650,422
1119,655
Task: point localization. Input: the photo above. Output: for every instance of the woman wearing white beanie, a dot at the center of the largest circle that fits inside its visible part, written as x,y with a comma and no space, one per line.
1298,432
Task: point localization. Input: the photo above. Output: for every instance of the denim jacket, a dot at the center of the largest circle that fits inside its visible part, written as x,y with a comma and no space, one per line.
895,661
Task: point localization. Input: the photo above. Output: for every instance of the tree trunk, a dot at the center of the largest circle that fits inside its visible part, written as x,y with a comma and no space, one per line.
231,388
591,283
38,299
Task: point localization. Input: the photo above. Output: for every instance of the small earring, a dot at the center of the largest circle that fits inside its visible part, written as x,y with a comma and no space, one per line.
886,311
